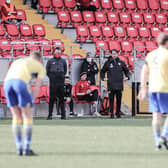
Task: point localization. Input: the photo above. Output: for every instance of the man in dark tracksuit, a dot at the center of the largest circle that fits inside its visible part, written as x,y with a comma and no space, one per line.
116,69
91,68
56,69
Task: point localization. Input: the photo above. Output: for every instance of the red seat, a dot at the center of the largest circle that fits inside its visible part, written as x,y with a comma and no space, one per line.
151,45
95,3
44,5
126,46
12,30
5,48
119,33
31,45
118,5
164,4
130,5
142,5
149,19
38,31
123,58
139,45
2,31
106,5
113,19
101,44
114,45
21,15
154,5
95,33
88,18
82,33
18,47
131,63
25,31
76,18
70,4
58,43
165,29
45,47
107,33
155,31
161,20
137,19
125,19
57,5
132,33
144,33
2,95
100,18
63,18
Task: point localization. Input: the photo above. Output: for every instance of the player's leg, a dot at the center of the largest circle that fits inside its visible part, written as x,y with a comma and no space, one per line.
118,99
111,102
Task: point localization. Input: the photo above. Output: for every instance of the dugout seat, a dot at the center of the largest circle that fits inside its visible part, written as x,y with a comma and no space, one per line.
31,45
119,32
151,45
44,6
113,19
63,18
132,33
161,20
21,14
142,5
149,19
126,47
137,19
82,33
164,4
12,31
107,33
144,33
118,5
45,47
38,31
96,3
139,45
114,45
154,5
101,44
2,95
88,18
57,5
2,31
124,58
5,48
76,18
25,31
18,47
69,4
125,19
58,43
106,5
100,18
130,5
155,31
95,33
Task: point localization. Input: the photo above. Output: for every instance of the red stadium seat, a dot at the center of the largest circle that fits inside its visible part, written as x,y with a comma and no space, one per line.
38,31
154,5
161,19
70,4
113,19
165,29
139,45
88,18
58,43
2,95
119,33
76,18
25,31
2,2
144,33
142,5
63,18
164,4
132,33
18,47
82,33
101,44
151,45
125,19
137,19
107,33
45,47
149,19
106,5
130,5
31,45
12,30
21,15
114,45
126,46
57,5
100,18
2,31
123,58
44,5
5,48
95,3
131,63
155,32
118,5
95,33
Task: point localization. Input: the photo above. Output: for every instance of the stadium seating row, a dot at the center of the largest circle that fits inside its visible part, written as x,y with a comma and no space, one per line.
75,18
94,33
24,31
106,5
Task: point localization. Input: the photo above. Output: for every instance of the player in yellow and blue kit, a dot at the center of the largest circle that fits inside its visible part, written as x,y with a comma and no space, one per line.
156,68
20,99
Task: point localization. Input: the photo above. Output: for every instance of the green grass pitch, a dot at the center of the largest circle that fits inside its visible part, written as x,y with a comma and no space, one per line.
85,143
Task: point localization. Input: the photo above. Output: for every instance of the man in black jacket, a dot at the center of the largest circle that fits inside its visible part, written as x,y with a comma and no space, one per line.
116,69
90,67
56,69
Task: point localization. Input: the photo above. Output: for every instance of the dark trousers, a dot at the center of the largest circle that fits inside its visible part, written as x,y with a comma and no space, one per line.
93,96
57,92
70,106
90,8
118,94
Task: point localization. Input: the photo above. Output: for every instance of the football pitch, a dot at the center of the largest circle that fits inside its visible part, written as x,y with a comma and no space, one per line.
85,143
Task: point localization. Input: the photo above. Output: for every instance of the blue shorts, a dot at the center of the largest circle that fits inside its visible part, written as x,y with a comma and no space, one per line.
17,94
158,102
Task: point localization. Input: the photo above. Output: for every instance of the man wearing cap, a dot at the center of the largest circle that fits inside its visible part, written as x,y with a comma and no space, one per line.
56,69
90,67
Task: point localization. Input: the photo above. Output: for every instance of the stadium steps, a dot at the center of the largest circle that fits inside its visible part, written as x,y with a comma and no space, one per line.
51,31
